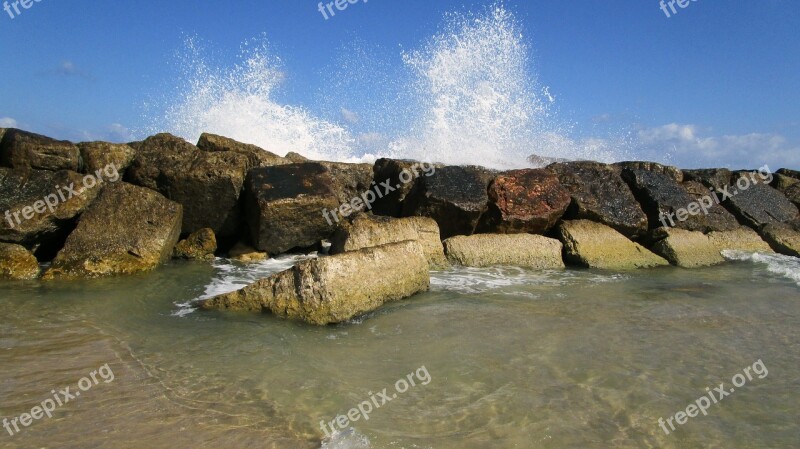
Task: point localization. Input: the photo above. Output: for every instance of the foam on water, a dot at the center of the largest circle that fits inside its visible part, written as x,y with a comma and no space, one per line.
347,439
468,95
784,266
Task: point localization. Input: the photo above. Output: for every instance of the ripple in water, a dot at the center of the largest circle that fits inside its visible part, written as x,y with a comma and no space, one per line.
784,266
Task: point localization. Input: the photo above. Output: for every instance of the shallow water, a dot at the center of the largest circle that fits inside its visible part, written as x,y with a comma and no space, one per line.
516,359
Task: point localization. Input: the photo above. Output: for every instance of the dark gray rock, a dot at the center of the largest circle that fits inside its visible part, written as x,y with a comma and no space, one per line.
760,205
599,194
709,177
673,172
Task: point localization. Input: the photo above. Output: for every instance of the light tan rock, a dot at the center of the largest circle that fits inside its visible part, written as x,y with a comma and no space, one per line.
519,250
200,245
17,263
785,239
336,288
107,159
687,249
364,231
742,239
246,254
594,245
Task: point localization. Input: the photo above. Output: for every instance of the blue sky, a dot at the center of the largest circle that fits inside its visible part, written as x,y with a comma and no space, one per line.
715,84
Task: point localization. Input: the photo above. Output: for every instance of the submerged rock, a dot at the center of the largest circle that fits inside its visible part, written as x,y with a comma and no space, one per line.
246,254
21,149
365,231
17,263
686,249
599,194
456,197
337,288
99,157
41,205
206,184
126,230
286,205
595,245
520,250
524,201
200,245
256,156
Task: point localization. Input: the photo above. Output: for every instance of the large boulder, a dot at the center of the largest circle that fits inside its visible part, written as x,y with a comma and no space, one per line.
350,181
206,184
456,197
793,194
393,191
599,194
760,204
687,249
668,203
783,182
41,206
674,173
337,288
21,149
290,206
17,263
365,231
524,201
740,239
716,178
256,156
127,229
200,245
783,238
595,245
788,172
100,157
520,250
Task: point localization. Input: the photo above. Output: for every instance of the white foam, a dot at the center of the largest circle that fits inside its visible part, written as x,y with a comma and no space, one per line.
503,280
347,439
785,266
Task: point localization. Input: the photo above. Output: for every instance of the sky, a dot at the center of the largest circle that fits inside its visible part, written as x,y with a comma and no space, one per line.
715,84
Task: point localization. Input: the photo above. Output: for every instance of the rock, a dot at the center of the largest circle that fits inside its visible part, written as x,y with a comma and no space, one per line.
393,191
2,133
783,182
520,250
286,206
785,239
709,177
791,173
673,172
17,263
793,194
543,161
21,149
524,201
41,206
350,180
365,231
206,184
456,197
760,204
668,203
740,239
595,245
256,156
296,158
337,288
104,157
200,245
126,230
686,249
599,194
246,254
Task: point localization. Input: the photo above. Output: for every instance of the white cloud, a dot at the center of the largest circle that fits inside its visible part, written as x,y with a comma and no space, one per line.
691,146
8,122
349,116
